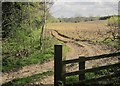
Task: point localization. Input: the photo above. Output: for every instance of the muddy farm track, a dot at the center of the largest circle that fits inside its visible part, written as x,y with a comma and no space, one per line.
77,48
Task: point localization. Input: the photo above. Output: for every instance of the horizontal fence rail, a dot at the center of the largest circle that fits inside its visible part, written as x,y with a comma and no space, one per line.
91,58
92,69
60,67
117,73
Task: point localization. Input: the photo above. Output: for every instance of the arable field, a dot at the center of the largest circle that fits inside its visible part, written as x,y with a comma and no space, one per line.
94,30
78,39
83,39
29,36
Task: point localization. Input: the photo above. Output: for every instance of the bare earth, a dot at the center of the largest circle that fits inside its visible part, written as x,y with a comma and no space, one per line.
76,49
80,49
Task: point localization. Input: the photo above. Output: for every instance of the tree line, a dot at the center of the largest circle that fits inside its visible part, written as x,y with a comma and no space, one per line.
83,19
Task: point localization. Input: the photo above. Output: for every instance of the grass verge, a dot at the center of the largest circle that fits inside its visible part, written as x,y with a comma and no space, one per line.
23,50
28,80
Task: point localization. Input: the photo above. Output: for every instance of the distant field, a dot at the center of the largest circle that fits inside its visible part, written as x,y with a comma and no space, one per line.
94,30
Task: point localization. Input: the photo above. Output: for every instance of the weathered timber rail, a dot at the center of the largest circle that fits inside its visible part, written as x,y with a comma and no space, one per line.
60,67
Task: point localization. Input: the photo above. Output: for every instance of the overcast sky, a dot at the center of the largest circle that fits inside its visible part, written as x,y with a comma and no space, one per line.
72,8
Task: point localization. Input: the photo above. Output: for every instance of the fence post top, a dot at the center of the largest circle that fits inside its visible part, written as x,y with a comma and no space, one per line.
81,56
58,45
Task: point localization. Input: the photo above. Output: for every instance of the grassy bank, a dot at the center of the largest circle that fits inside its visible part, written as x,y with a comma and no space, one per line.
23,49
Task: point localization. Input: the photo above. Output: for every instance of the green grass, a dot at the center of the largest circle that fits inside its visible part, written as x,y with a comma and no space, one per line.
27,41
23,42
66,49
95,74
16,62
28,80
72,79
115,43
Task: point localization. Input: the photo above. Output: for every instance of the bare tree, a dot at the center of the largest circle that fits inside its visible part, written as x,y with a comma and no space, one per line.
45,11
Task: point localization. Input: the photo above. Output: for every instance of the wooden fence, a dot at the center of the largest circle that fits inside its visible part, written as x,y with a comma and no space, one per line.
60,67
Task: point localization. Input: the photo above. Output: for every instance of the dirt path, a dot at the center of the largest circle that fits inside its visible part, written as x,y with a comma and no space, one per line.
76,49
33,69
27,71
79,49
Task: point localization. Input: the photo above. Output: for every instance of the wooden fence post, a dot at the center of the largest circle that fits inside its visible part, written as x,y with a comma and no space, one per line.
82,67
57,64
